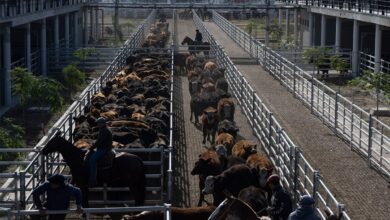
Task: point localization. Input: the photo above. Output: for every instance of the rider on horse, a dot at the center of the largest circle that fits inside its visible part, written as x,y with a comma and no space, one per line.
198,37
103,145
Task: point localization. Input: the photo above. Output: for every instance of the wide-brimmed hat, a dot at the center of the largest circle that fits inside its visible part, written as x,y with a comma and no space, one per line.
101,121
57,179
306,200
273,179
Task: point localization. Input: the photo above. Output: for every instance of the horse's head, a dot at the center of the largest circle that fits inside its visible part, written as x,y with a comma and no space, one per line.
186,40
233,209
52,145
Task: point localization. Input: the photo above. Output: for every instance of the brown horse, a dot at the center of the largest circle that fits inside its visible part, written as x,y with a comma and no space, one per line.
127,169
196,47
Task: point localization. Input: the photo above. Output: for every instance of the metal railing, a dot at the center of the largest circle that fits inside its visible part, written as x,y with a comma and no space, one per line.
367,62
375,7
365,133
11,8
26,178
295,171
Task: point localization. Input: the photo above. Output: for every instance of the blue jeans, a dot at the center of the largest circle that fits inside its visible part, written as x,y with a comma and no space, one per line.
92,165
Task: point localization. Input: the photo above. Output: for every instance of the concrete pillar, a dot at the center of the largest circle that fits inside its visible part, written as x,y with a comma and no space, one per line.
296,34
355,48
280,18
287,22
67,30
43,48
27,40
267,28
311,29
85,19
92,23
378,48
7,65
323,30
96,24
338,34
76,35
57,32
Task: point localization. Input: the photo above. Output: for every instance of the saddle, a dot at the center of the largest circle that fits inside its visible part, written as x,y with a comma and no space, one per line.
106,161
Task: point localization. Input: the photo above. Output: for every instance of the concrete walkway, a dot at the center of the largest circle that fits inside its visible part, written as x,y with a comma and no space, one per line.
364,192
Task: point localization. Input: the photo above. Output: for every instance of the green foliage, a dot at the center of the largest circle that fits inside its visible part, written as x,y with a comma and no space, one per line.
23,84
250,27
275,32
83,53
372,81
48,91
37,89
11,136
74,79
316,55
339,64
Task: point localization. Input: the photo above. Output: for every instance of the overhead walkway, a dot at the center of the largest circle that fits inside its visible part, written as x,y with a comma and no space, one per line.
364,192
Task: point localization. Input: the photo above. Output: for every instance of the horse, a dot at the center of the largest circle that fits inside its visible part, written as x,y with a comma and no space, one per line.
196,47
234,209
127,170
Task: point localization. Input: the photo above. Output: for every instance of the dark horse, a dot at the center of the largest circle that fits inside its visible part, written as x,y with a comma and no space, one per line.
127,169
194,47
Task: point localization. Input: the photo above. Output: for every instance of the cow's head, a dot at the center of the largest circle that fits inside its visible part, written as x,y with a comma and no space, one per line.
221,150
263,175
209,185
227,109
201,165
195,86
249,149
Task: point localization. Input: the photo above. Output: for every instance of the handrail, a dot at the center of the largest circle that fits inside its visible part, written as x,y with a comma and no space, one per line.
366,134
367,7
295,171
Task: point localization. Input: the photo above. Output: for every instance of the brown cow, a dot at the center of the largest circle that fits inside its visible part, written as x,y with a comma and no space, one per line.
128,124
210,66
110,115
227,140
207,164
262,165
243,149
194,213
226,109
209,124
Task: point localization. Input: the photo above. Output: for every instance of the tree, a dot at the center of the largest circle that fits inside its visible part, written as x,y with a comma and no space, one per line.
339,64
82,54
23,82
250,27
74,79
11,136
48,92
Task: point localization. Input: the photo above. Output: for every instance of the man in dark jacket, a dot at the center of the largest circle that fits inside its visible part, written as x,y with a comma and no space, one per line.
281,205
305,210
103,145
198,37
58,195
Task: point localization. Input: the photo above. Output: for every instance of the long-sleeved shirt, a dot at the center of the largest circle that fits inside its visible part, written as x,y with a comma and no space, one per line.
56,198
104,140
198,37
281,205
304,213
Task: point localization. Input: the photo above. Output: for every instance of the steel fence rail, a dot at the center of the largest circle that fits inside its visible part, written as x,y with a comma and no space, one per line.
295,171
361,6
35,172
367,62
366,134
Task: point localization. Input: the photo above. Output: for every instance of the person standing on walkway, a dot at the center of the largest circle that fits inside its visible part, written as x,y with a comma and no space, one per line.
58,196
305,210
281,205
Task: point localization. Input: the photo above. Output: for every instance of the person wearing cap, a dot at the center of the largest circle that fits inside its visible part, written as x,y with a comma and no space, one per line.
198,37
103,145
305,210
281,205
58,196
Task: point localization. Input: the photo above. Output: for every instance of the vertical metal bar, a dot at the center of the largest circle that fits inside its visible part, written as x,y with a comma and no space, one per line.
70,129
336,109
370,124
270,128
296,173
22,182
316,177
312,94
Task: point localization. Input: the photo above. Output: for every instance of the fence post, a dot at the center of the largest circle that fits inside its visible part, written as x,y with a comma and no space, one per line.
253,108
340,208
296,172
312,94
265,58
43,167
369,152
70,129
294,78
336,110
316,177
22,185
270,128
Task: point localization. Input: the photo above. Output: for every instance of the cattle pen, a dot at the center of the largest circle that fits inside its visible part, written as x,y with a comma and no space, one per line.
173,162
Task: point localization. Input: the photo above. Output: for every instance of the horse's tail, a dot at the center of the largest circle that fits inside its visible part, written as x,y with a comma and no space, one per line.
140,189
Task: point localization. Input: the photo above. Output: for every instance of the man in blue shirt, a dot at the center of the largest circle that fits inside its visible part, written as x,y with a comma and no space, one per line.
58,195
305,210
